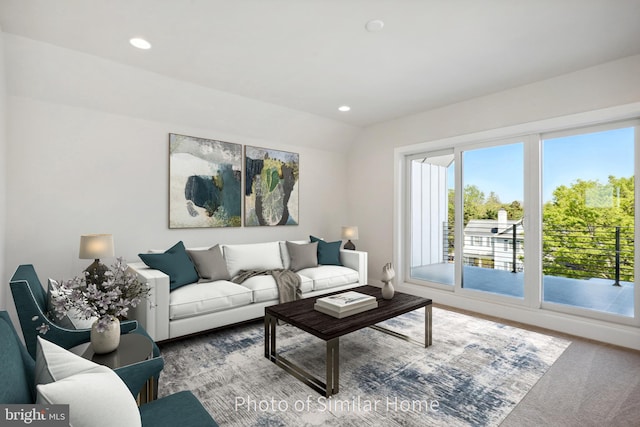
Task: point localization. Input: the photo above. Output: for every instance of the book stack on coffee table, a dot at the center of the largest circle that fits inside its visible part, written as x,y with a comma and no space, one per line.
345,304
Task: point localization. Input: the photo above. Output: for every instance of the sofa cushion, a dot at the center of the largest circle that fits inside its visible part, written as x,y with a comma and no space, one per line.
95,394
210,264
209,297
258,256
302,255
264,287
178,409
328,252
175,263
329,276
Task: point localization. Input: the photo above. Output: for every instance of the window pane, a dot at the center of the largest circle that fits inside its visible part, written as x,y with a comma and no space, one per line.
493,250
588,221
432,217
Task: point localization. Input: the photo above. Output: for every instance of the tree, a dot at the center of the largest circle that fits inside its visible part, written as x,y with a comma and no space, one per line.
491,206
474,203
579,229
514,210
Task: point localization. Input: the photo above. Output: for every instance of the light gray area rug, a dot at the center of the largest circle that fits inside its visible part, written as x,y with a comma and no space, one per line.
475,373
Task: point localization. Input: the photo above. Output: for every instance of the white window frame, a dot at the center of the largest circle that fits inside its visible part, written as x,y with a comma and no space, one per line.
589,323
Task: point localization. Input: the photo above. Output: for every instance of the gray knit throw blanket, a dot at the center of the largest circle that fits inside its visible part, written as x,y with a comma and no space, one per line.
288,282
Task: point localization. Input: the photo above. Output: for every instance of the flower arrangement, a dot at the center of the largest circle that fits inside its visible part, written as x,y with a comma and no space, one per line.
108,301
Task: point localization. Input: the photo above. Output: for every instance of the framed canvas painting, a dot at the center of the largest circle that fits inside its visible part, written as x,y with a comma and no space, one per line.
271,187
205,187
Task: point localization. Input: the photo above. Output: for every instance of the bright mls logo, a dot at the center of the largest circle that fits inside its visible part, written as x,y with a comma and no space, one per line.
34,415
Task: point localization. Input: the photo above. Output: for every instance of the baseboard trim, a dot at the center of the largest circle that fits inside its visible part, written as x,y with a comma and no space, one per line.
606,332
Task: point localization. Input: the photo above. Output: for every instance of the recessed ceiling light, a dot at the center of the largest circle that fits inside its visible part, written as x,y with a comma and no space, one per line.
140,43
344,108
374,25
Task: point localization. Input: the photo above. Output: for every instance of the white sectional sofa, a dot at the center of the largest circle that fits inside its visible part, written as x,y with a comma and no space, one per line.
205,304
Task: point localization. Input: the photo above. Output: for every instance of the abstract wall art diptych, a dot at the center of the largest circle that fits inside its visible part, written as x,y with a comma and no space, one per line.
204,183
271,187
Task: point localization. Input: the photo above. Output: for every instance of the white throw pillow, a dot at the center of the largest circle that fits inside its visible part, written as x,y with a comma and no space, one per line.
256,256
96,396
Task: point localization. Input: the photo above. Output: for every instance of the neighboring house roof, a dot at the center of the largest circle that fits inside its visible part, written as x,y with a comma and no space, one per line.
489,227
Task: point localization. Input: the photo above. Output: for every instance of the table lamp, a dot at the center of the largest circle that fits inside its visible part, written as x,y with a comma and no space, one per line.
350,232
96,246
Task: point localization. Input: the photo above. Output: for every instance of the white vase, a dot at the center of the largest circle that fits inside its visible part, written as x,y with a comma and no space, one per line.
107,341
387,276
387,290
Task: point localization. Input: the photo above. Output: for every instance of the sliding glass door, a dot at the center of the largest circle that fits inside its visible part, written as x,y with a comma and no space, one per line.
544,220
432,218
492,221
589,219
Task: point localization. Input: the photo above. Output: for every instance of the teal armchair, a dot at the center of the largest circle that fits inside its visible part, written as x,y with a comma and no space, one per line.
18,387
30,300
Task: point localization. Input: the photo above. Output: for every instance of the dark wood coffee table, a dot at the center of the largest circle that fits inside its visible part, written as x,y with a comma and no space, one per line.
328,328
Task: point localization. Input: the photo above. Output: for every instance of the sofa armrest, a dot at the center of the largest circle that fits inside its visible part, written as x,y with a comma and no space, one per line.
153,314
356,260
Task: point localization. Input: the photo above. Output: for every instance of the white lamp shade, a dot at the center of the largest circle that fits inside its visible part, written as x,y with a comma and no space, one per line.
96,246
350,232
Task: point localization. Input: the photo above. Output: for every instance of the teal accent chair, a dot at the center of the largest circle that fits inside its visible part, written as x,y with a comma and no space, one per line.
30,300
18,387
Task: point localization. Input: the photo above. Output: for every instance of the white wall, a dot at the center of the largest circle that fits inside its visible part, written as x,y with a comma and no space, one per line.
3,171
88,153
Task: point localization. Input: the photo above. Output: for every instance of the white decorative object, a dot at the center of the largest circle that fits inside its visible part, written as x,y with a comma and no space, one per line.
106,341
346,300
387,276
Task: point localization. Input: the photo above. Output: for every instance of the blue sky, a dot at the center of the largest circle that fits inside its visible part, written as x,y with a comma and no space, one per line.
592,156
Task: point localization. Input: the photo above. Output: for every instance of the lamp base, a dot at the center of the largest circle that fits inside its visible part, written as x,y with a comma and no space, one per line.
95,273
350,246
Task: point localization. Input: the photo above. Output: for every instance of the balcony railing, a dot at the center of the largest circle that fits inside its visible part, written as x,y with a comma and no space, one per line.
597,252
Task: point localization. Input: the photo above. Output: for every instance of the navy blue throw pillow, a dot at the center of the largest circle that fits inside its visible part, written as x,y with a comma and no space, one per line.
328,252
175,263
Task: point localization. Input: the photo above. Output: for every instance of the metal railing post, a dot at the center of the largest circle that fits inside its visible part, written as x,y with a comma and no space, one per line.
617,282
514,269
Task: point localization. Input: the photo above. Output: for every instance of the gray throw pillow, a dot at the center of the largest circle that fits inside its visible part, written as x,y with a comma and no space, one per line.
303,255
210,264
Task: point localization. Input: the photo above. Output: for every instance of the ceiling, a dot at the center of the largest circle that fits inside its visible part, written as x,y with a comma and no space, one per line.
316,55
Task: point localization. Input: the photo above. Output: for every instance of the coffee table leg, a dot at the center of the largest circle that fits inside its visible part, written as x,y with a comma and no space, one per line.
427,325
328,388
269,337
333,367
266,335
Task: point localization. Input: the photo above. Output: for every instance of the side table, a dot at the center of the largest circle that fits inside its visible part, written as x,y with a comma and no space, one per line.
133,348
